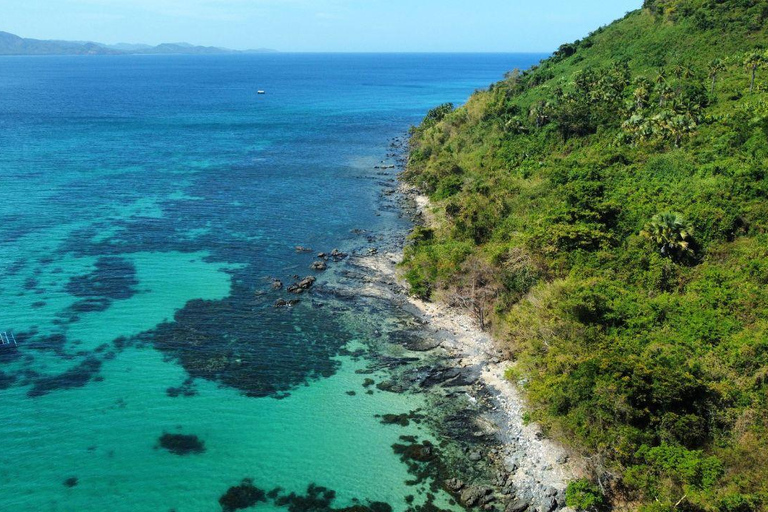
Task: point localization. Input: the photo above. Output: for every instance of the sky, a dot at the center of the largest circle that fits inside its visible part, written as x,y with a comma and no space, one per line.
319,25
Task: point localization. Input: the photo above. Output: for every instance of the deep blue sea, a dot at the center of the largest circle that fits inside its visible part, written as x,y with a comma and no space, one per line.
147,204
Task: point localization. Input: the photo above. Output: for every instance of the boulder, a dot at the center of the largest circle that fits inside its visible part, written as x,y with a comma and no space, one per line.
517,505
548,505
337,255
303,285
282,303
473,496
454,484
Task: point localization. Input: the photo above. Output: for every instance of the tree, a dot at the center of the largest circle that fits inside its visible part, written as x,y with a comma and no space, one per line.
539,113
752,62
665,92
477,289
715,67
671,232
437,114
642,93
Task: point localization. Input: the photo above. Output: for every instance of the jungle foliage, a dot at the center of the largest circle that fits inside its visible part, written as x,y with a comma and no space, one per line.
609,208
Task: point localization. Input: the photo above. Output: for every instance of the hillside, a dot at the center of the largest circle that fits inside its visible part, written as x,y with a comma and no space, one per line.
604,214
11,44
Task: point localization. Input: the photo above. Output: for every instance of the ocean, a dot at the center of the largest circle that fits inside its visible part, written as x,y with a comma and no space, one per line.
148,205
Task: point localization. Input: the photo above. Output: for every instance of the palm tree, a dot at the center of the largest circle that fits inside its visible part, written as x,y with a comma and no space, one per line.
671,232
715,67
539,112
641,93
665,92
752,62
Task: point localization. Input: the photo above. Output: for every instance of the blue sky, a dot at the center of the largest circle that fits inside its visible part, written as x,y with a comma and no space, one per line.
319,25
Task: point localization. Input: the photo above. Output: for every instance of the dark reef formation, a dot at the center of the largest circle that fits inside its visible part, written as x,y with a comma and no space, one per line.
181,444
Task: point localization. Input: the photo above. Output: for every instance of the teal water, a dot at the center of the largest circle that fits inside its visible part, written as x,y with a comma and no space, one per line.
146,205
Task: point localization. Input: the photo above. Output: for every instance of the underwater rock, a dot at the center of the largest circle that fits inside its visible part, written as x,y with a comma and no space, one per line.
242,496
416,341
76,377
186,389
473,496
390,386
281,303
395,419
70,482
403,419
238,351
53,342
181,444
113,278
317,499
303,285
448,377
300,248
319,265
374,506
423,452
277,284
6,381
454,484
337,255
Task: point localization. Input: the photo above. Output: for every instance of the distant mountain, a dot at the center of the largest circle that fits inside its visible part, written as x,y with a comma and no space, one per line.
11,44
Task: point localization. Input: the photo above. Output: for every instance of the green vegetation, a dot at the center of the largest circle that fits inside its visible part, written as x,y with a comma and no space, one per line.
605,215
584,495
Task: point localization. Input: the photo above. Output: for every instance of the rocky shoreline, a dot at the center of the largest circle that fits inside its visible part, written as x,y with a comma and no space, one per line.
489,457
530,472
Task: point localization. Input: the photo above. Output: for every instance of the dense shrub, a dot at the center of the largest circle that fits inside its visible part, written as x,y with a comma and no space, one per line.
620,192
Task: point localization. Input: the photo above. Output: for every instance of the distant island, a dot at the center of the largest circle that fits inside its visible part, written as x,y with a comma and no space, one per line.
11,44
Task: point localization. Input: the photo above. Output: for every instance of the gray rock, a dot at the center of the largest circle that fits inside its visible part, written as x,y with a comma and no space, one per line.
319,265
517,505
473,495
548,505
475,456
303,285
281,303
337,255
454,484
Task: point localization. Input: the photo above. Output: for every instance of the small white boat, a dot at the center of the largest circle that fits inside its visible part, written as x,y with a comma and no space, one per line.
261,92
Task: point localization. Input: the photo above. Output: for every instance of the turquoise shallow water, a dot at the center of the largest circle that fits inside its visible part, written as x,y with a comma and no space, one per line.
146,205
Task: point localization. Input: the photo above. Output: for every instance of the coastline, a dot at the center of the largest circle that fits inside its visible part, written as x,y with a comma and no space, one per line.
532,472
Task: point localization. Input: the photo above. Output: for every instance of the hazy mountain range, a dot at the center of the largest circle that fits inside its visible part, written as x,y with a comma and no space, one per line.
11,44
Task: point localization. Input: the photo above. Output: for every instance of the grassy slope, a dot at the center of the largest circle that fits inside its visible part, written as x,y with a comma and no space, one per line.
656,366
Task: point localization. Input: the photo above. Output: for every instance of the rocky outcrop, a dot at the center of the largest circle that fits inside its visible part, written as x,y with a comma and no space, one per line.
303,285
319,266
